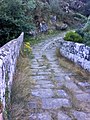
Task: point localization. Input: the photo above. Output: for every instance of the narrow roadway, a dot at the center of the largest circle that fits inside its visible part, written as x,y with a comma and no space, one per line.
57,92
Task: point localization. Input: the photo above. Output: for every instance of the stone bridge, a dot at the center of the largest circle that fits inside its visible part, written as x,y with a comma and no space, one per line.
55,92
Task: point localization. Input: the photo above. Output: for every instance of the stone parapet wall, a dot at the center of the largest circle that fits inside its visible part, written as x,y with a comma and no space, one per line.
78,53
8,57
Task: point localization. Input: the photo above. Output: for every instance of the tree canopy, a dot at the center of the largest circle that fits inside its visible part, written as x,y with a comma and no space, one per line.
15,17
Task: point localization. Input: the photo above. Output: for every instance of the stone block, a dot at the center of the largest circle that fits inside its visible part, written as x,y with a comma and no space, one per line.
55,103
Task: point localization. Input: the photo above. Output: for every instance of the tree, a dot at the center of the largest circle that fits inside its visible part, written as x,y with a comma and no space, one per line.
15,17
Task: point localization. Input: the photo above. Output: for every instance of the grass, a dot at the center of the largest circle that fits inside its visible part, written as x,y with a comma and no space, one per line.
21,90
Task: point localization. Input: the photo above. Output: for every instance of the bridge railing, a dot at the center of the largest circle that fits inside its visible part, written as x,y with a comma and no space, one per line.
8,58
76,52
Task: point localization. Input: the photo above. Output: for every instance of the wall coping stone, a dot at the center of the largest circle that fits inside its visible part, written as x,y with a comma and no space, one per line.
8,58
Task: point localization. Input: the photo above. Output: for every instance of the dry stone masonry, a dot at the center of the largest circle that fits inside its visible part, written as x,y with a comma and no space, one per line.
78,53
8,57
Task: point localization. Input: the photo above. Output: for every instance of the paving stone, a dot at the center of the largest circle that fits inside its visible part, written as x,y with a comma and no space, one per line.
37,86
85,97
32,105
73,87
47,86
55,103
35,65
39,77
33,73
54,62
37,70
34,70
54,65
34,60
62,93
43,73
60,84
57,69
80,115
62,116
59,78
43,82
38,57
67,77
84,84
38,67
44,116
46,90
42,93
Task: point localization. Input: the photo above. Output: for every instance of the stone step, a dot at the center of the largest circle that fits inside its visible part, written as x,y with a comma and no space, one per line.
55,103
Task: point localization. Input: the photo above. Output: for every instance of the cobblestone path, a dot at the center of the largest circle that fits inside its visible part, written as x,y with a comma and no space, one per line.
58,92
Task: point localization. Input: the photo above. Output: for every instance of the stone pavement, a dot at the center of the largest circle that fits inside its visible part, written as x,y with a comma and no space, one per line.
58,93
58,90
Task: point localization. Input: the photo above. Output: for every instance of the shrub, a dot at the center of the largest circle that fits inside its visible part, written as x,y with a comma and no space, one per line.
87,38
15,17
73,36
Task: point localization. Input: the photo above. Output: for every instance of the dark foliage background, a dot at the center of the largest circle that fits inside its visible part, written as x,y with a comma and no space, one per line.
15,17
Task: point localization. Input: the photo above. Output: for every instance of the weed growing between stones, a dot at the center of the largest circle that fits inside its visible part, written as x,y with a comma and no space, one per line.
21,90
27,49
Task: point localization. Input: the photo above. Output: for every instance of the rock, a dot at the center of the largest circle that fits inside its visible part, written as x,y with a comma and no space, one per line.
85,97
32,33
62,93
42,93
64,27
80,115
40,116
62,116
61,27
32,104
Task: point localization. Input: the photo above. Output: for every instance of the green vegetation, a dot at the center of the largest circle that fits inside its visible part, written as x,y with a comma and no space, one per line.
15,17
73,36
87,38
27,50
40,37
80,17
85,32
20,90
80,35
18,16
86,28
